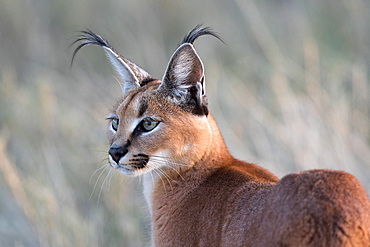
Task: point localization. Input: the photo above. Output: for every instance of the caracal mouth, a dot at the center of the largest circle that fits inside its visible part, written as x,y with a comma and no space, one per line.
128,170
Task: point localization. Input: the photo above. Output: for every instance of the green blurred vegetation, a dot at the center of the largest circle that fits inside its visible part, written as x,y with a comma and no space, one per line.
290,91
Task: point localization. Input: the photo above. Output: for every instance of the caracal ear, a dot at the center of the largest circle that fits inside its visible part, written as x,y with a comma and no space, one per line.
184,69
183,81
130,75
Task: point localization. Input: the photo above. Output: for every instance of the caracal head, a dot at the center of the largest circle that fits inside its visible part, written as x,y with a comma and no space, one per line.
158,125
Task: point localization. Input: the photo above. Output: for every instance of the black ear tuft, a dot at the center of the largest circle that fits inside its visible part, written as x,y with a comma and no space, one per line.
88,37
198,31
131,75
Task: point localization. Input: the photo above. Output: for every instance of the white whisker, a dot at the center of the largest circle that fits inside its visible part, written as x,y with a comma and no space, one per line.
106,166
103,166
110,175
166,177
163,158
101,188
168,163
159,175
157,168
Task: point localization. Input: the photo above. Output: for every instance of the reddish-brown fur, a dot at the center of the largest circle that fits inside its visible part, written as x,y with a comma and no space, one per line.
225,202
198,194
316,208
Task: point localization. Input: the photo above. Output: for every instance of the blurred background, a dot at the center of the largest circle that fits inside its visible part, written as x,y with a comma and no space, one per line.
290,91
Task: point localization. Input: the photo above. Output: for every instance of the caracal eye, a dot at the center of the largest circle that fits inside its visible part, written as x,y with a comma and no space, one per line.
149,124
115,124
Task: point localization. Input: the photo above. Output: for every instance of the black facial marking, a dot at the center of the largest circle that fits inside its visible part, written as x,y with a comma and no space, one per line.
136,132
143,107
124,107
128,143
140,161
141,155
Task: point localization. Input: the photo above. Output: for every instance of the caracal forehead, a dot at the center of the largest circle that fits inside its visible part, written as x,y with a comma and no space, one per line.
136,101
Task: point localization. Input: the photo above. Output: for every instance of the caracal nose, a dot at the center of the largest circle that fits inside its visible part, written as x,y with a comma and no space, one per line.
117,153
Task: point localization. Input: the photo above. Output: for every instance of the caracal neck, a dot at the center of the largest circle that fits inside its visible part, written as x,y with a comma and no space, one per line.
215,156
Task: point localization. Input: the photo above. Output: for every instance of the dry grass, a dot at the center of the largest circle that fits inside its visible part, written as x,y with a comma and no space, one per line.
290,92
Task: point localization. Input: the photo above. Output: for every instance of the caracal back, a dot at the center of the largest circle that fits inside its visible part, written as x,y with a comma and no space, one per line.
198,194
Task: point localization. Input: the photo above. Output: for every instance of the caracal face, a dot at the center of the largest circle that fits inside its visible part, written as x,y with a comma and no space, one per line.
146,132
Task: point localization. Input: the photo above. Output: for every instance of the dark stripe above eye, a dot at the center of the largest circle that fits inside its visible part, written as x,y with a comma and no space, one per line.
143,107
